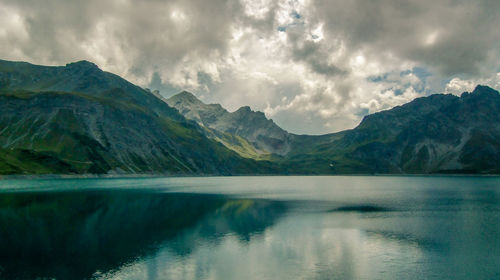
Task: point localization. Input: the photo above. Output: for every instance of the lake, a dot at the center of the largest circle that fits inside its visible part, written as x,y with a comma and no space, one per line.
345,227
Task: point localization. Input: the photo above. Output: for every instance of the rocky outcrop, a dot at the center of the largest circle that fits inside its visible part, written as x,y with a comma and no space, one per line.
262,133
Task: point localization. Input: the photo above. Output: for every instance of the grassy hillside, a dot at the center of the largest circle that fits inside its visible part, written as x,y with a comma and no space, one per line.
60,132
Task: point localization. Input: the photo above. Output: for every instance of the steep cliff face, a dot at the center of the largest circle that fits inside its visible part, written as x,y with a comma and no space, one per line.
84,120
263,134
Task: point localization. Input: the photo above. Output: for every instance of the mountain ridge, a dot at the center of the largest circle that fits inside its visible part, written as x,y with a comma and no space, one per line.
439,147
78,119
440,133
263,134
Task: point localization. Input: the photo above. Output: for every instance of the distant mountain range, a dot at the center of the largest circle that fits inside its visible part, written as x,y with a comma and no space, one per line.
78,119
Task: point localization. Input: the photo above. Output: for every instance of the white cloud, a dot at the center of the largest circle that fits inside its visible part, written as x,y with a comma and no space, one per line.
458,85
314,66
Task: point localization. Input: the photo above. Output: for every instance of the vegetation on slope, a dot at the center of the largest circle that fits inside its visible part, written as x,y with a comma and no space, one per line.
45,131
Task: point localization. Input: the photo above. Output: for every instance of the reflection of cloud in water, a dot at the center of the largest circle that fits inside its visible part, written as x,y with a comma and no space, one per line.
71,235
356,231
299,247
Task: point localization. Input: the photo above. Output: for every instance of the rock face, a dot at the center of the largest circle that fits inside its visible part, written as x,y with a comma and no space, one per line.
263,134
79,119
436,134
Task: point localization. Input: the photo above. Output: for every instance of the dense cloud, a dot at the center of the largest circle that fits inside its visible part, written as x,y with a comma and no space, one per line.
454,36
313,66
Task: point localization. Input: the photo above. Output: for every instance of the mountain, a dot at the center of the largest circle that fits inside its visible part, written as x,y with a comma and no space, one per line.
262,134
80,77
245,131
80,119
441,133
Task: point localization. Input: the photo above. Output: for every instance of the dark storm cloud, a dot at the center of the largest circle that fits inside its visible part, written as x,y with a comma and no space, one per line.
138,35
323,61
314,56
453,36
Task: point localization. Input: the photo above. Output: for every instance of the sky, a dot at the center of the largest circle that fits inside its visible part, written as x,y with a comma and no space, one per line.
313,66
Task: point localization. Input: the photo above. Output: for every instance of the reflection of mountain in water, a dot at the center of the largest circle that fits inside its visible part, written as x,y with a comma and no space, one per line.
71,235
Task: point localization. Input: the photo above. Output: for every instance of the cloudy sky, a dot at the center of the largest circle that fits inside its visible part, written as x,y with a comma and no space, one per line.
314,66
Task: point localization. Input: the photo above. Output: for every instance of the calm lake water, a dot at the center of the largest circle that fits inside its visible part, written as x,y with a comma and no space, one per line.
251,228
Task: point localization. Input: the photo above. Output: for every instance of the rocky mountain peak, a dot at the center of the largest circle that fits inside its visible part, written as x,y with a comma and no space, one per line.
185,97
482,94
247,111
82,64
480,89
244,109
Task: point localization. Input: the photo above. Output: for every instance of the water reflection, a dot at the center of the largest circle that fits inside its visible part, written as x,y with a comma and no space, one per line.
251,228
73,235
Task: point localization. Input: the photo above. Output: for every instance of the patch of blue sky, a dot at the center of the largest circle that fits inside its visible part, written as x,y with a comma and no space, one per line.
296,21
420,72
295,15
283,28
379,78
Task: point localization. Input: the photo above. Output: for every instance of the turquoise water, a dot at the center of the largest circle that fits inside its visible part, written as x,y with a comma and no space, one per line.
251,228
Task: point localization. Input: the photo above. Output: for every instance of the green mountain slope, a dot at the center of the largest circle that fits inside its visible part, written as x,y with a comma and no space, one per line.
66,120
436,134
81,77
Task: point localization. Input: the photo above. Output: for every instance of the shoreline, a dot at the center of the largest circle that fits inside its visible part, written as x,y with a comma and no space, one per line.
141,176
